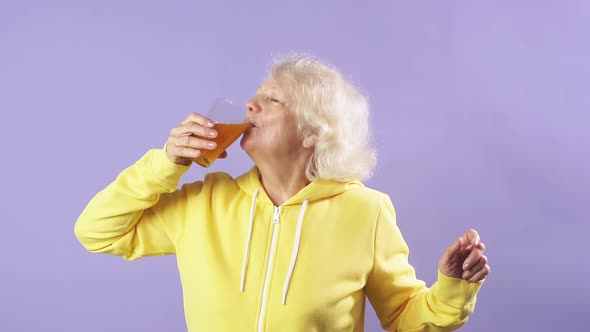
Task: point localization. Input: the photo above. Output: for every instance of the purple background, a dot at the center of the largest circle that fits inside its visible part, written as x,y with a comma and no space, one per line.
480,113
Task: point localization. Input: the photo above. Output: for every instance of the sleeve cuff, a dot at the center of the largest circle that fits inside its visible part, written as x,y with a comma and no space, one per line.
167,172
458,293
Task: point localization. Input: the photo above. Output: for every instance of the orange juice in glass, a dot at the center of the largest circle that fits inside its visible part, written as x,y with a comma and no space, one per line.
229,124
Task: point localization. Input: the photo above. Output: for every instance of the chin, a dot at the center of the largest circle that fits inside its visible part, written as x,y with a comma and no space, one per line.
246,143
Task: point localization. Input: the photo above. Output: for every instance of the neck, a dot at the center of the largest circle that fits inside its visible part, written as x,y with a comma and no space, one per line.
283,179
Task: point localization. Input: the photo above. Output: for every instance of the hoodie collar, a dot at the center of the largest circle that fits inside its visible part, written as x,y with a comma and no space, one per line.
250,182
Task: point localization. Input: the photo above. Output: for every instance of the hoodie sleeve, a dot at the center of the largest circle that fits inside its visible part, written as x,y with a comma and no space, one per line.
141,213
402,302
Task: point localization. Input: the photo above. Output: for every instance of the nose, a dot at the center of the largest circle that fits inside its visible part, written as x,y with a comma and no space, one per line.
253,105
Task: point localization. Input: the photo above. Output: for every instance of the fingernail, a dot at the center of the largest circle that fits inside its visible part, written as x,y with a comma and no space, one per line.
211,144
465,266
210,124
212,133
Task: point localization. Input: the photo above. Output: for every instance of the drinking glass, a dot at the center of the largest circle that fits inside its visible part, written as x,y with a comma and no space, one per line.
230,123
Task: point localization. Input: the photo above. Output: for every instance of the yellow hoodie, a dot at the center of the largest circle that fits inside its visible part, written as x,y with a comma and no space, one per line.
247,265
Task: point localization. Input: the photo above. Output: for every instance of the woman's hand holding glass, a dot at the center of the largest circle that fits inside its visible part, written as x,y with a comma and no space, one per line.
190,139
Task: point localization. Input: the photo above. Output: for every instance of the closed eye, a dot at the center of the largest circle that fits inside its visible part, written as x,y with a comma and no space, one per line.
274,100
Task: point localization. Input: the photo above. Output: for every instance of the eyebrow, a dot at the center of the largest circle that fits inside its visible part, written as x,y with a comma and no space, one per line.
269,90
272,92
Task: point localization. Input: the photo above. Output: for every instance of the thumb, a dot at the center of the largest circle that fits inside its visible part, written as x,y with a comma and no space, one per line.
452,250
471,237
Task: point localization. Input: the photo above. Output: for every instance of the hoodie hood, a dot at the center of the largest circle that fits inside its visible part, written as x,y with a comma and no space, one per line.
250,183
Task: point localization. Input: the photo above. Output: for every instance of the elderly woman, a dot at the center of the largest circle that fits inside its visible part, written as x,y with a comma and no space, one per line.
296,243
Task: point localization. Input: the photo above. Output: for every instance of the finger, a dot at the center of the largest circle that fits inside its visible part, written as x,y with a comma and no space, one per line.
223,155
477,266
471,237
472,259
467,250
481,246
183,151
193,128
452,250
193,142
481,274
198,118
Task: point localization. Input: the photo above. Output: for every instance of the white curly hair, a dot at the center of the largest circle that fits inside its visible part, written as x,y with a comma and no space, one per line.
328,105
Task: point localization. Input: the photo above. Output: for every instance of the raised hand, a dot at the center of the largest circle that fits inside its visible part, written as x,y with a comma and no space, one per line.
189,138
464,259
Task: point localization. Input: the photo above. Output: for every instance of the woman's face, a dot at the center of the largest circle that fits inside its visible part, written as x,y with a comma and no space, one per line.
274,127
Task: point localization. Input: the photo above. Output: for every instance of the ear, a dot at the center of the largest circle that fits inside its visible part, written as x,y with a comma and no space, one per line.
310,141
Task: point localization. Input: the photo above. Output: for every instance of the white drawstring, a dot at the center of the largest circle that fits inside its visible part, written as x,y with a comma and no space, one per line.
247,250
295,246
295,251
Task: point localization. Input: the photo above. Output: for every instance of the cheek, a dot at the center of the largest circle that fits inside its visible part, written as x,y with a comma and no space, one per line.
284,130
277,129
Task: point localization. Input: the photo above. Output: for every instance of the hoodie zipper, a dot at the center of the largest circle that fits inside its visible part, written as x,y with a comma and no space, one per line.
265,290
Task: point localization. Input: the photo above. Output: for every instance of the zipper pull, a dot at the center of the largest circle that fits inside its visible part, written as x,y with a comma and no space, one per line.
276,215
